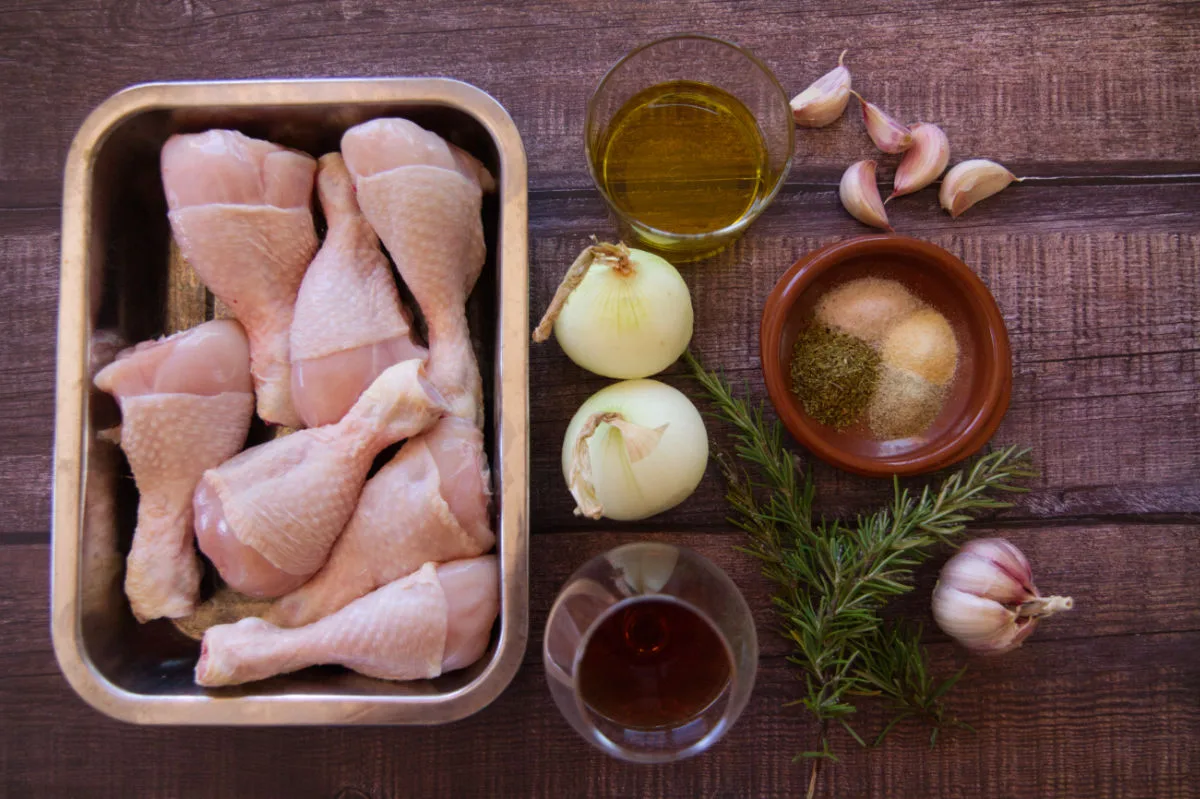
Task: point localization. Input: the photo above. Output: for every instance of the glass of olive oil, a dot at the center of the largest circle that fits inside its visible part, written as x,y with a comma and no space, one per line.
650,652
689,139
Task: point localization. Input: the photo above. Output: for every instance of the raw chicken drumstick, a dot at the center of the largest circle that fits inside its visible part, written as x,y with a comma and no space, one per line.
423,198
429,503
268,517
186,404
349,324
240,211
435,620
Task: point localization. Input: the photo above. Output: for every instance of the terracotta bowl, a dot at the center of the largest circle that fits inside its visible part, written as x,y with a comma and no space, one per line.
978,395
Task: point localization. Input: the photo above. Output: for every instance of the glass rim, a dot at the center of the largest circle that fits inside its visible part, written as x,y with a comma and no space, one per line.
766,200
614,748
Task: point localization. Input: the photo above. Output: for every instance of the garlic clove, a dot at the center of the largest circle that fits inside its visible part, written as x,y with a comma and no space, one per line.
888,134
860,195
924,161
979,576
971,181
979,624
825,100
1005,556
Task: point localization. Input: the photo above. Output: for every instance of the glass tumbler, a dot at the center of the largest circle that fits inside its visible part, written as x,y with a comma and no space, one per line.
695,59
686,628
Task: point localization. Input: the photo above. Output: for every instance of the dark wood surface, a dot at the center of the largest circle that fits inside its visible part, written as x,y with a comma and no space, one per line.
1095,264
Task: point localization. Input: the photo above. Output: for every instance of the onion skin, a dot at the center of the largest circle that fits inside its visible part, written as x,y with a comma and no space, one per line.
663,477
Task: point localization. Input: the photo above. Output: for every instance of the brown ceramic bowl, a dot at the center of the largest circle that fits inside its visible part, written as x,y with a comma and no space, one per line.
978,395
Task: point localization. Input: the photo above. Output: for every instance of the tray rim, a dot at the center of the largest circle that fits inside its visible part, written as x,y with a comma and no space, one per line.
511,409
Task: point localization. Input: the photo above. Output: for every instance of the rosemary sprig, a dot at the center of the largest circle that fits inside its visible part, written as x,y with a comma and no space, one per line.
833,578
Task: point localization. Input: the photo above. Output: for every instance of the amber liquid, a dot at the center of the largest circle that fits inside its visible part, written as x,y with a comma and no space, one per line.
683,157
653,663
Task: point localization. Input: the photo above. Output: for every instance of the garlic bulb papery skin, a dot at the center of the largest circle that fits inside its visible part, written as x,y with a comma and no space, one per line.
620,312
825,100
986,600
971,181
924,161
634,449
888,134
860,195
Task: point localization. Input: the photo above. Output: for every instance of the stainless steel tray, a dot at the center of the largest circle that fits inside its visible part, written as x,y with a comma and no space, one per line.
120,280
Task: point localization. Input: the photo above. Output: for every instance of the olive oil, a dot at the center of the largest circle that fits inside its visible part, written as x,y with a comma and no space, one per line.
683,157
654,663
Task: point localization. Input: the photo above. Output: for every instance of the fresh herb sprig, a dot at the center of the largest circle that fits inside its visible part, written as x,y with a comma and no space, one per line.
833,578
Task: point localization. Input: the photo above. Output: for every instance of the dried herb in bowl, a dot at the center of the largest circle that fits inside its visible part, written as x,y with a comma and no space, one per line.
834,375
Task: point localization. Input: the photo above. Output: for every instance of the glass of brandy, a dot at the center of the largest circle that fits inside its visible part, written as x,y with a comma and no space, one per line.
650,652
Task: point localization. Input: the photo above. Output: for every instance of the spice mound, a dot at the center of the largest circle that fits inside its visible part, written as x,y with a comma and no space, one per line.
833,374
874,353
867,308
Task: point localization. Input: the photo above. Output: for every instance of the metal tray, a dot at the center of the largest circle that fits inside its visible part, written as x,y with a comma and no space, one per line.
120,281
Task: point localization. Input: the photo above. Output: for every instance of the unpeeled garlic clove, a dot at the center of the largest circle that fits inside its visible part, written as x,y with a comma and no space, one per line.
860,195
924,161
825,100
888,134
971,181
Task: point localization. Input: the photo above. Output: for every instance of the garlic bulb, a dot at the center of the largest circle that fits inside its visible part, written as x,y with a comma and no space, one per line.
632,450
620,312
986,600
825,100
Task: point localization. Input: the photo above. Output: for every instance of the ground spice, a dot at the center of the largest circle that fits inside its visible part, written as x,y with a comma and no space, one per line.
924,344
833,375
867,307
904,404
226,606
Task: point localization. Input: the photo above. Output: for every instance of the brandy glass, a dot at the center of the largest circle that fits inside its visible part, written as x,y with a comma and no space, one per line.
650,652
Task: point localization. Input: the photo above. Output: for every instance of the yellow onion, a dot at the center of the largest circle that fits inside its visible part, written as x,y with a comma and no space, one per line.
620,312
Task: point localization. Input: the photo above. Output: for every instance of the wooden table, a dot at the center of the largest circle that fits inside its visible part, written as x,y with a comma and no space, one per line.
1095,263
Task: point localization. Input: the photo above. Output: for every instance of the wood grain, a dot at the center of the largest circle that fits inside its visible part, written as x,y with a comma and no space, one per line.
1059,81
1095,263
1134,579
1102,701
1101,313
